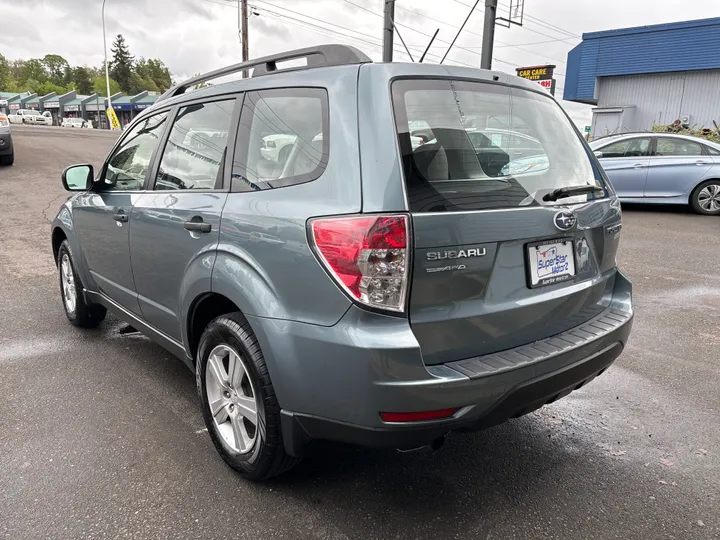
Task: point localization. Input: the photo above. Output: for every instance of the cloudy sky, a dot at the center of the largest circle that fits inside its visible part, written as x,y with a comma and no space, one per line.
192,36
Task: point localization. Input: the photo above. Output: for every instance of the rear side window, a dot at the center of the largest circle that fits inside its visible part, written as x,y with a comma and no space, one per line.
283,138
627,148
667,146
194,156
486,146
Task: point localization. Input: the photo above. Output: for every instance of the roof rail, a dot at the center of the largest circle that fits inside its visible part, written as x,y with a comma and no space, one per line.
318,56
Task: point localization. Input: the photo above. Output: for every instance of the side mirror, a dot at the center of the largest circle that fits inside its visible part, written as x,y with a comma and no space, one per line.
598,154
77,177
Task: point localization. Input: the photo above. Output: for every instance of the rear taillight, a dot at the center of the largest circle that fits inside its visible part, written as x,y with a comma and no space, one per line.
367,256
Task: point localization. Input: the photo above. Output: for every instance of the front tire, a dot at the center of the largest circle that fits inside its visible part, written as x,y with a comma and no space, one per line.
78,311
239,406
7,160
705,198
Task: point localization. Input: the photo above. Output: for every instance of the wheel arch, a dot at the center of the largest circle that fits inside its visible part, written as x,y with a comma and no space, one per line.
700,183
203,310
58,237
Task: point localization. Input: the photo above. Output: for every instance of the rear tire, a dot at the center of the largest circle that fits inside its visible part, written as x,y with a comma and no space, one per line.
78,311
705,199
250,442
7,160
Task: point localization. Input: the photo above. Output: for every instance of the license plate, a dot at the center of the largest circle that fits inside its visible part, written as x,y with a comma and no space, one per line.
551,262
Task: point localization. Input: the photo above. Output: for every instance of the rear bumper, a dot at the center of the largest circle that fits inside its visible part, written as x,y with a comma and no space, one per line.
299,430
332,383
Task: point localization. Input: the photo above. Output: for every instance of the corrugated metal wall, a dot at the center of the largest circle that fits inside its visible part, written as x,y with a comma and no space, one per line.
663,97
673,47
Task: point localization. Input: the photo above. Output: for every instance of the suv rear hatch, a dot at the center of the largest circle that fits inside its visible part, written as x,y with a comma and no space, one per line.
514,228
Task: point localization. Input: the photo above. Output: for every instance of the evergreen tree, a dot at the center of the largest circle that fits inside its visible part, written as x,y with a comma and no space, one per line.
121,65
82,80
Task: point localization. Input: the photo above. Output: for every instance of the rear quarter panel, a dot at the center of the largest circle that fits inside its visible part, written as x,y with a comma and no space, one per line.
264,261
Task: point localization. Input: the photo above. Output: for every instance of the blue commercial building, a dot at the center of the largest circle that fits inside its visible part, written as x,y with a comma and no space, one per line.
648,75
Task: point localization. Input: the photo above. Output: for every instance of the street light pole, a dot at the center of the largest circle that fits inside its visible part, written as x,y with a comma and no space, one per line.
107,71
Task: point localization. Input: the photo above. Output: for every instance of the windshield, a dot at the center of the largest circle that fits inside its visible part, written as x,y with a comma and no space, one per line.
486,146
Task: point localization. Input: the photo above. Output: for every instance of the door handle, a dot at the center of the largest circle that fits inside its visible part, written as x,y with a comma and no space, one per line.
700,162
120,216
639,166
196,224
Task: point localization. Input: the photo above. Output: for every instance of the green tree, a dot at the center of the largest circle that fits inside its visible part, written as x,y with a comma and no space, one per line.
16,68
30,85
138,84
33,69
82,81
5,74
100,86
49,86
155,70
121,65
57,68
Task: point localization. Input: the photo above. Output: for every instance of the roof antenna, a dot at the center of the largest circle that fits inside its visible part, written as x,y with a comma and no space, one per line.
428,45
402,40
461,29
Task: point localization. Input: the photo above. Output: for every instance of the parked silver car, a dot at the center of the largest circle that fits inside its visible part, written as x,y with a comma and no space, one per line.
7,151
662,168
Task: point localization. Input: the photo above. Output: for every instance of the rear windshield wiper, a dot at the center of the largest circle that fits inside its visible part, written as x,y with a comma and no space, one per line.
569,191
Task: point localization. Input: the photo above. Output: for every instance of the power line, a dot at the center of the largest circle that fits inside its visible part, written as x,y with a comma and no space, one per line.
306,25
428,35
525,27
520,46
545,24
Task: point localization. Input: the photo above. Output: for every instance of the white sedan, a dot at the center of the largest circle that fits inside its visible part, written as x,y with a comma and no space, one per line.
76,123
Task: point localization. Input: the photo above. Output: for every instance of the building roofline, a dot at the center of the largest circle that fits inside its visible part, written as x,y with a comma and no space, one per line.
652,28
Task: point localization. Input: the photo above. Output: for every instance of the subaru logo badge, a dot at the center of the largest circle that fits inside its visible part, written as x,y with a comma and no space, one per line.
565,220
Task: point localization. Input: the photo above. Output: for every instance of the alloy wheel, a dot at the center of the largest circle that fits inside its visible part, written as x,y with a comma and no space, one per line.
709,198
68,283
232,399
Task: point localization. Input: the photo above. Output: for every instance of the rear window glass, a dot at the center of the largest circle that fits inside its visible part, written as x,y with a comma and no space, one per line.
477,146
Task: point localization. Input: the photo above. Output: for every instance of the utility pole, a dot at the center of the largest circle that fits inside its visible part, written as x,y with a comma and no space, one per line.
243,24
388,30
107,70
488,36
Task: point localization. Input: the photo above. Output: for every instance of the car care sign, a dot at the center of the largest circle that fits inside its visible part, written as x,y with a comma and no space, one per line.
543,75
112,117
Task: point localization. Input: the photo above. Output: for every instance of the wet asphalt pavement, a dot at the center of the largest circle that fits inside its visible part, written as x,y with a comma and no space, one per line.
101,434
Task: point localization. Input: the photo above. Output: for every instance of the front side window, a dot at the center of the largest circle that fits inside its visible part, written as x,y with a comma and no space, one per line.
194,156
667,146
471,160
283,138
626,148
128,166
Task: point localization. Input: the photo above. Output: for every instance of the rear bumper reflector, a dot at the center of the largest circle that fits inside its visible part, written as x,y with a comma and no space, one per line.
417,416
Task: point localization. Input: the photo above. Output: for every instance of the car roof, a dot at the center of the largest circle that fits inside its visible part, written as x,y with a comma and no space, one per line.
660,134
